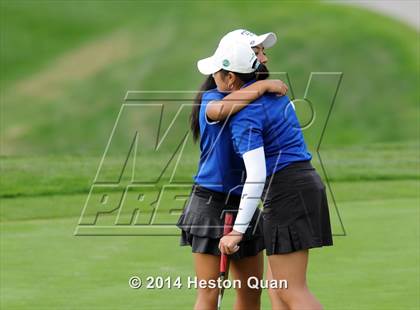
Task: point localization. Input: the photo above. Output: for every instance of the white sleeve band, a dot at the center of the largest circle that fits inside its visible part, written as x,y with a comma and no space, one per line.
251,194
208,121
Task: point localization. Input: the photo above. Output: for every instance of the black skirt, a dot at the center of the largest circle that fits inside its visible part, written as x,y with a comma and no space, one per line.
202,221
295,215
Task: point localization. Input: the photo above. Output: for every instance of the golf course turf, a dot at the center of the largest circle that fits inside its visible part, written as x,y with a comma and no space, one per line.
65,71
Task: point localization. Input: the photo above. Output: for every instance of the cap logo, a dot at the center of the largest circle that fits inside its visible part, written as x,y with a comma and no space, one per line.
247,33
226,63
252,42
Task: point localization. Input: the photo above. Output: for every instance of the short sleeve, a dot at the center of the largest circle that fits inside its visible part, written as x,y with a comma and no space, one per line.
247,128
209,96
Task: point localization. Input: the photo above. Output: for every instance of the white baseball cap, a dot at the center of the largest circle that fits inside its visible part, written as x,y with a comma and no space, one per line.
267,39
230,55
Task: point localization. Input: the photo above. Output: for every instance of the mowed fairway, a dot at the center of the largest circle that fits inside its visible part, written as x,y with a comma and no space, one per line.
376,266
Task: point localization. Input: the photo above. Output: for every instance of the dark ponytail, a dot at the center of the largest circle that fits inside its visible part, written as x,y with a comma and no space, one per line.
261,73
208,84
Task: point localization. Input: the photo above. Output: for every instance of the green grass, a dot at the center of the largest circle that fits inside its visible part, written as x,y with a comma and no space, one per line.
30,176
64,79
44,266
65,69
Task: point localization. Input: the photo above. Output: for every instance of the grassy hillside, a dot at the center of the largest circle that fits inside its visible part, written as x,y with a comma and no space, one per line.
65,68
52,175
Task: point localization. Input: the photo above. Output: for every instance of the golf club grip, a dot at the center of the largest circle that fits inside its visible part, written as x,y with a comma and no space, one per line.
227,228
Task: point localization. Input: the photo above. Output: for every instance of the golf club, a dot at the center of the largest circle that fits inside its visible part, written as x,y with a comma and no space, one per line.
227,228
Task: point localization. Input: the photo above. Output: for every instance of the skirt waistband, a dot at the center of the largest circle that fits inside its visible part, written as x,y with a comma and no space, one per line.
226,199
295,166
296,176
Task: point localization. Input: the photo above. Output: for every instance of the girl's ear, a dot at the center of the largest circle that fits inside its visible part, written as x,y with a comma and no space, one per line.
231,78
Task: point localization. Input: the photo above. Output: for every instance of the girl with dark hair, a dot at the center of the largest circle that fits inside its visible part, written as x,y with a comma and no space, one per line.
268,137
218,182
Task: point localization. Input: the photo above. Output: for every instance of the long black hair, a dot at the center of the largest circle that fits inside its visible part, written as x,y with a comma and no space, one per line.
260,74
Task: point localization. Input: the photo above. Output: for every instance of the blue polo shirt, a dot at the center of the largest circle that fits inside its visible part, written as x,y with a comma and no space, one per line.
220,168
270,121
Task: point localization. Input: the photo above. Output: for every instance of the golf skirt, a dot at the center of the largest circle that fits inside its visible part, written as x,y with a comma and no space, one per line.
295,215
202,222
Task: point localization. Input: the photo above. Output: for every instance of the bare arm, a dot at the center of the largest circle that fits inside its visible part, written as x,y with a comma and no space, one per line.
237,100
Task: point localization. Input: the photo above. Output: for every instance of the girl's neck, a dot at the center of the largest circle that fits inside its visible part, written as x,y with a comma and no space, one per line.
238,85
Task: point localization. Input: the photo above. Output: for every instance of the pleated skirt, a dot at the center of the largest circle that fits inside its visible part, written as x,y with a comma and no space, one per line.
295,213
202,221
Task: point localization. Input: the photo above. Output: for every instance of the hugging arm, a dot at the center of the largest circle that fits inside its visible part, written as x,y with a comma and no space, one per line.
237,100
256,173
247,136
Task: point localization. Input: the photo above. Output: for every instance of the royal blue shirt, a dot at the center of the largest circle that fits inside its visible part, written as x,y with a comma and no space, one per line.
271,122
220,168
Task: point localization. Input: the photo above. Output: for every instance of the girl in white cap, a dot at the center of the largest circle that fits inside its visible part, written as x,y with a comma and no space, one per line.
218,181
268,137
